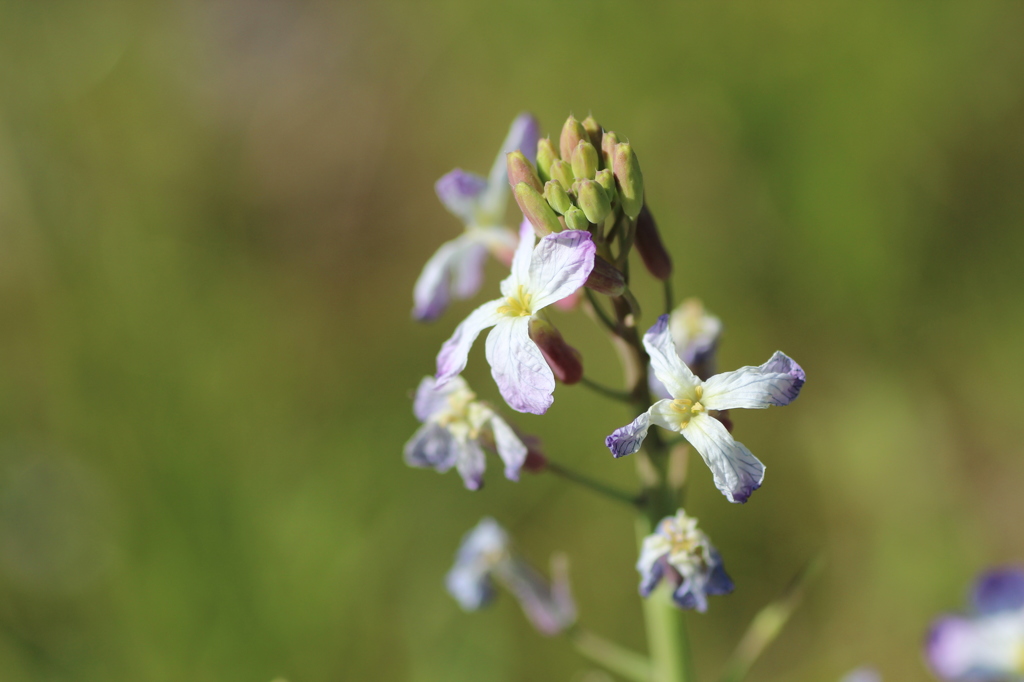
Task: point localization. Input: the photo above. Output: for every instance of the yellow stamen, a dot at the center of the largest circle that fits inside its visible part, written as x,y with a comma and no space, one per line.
518,305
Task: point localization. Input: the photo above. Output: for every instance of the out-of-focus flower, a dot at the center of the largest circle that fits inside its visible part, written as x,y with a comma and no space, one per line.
862,675
558,266
695,334
737,472
988,645
486,556
680,552
455,427
456,269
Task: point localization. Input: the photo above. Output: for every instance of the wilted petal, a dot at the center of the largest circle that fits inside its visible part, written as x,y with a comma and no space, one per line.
522,136
452,358
511,450
999,590
482,548
736,471
665,362
776,382
650,565
549,607
627,439
430,399
718,581
432,447
470,463
462,192
518,367
560,265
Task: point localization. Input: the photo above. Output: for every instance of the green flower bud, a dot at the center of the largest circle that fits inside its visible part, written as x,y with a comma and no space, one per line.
608,142
556,196
593,129
606,179
593,201
562,172
584,160
546,155
629,178
521,170
572,133
536,210
576,220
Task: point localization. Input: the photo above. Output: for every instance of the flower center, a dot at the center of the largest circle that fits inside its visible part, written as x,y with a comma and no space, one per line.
458,407
687,408
518,305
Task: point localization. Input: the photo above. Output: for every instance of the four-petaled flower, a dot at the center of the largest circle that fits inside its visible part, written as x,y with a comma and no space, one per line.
456,269
679,552
737,472
695,333
988,645
455,425
558,266
486,555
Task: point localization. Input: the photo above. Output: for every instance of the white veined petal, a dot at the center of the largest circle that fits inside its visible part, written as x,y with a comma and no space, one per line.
664,416
518,367
736,471
628,439
561,263
776,382
665,362
470,463
455,351
511,450
520,273
430,399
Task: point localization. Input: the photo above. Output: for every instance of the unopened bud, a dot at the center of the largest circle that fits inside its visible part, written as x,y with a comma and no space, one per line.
593,201
606,179
546,155
536,210
521,170
584,160
572,133
608,142
593,129
650,247
605,278
556,197
575,219
564,360
562,172
629,179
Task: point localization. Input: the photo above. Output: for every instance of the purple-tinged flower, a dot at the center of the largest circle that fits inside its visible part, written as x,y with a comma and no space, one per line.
456,269
679,552
862,675
486,556
558,266
989,645
695,333
455,427
736,471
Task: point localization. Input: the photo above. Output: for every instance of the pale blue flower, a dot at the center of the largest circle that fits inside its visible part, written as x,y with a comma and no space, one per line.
558,266
736,471
456,269
455,427
679,552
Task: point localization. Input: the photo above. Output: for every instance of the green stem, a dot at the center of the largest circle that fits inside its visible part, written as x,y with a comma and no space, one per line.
593,485
615,394
669,296
600,312
619,660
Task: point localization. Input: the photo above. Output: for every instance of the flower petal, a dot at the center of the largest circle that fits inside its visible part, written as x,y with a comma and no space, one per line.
462,192
522,136
718,581
431,292
431,447
468,269
470,463
549,607
627,439
670,370
511,450
452,358
776,382
518,367
520,270
560,265
469,579
999,590
737,472
430,399
650,564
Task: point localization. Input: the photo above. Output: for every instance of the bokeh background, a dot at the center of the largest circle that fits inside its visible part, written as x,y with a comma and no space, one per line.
211,217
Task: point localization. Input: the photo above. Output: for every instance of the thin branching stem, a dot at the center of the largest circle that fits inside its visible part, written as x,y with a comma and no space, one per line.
592,484
616,658
612,393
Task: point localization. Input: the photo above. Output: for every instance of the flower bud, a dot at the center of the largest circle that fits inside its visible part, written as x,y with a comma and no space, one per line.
572,133
608,142
593,129
546,155
629,178
650,247
605,278
521,170
556,197
593,201
606,179
575,219
564,360
562,172
536,210
584,160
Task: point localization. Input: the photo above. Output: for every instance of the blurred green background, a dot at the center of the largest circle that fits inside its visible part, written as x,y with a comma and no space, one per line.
211,217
